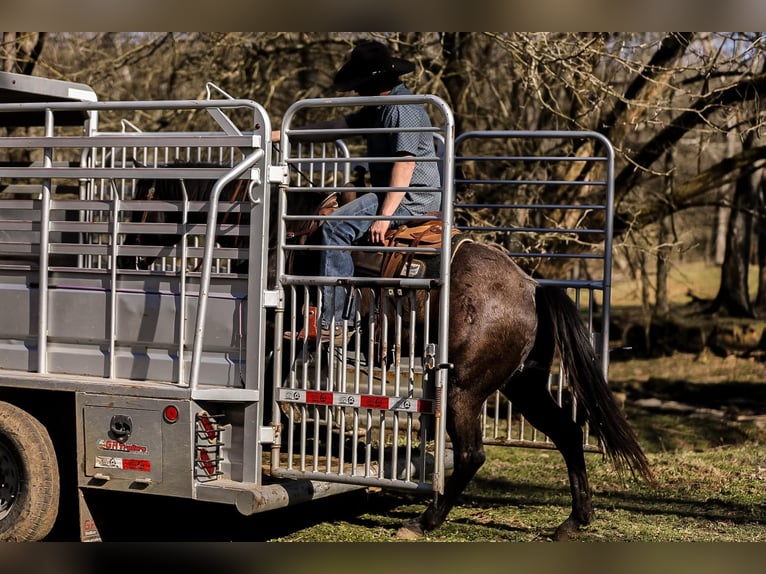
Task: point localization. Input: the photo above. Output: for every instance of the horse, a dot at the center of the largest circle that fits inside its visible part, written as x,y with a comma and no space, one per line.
178,190
505,328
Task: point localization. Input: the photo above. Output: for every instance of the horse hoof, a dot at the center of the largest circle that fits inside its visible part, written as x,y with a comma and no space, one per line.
410,531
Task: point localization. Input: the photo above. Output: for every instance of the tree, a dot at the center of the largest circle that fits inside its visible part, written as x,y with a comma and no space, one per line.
21,51
653,95
733,296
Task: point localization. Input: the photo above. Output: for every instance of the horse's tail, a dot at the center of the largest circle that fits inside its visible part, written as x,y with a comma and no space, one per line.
586,379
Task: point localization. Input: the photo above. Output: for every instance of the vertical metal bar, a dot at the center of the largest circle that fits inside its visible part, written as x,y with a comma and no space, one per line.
357,382
498,415
397,385
522,428
182,288
372,326
411,394
204,288
608,233
428,376
385,301
115,224
45,207
448,194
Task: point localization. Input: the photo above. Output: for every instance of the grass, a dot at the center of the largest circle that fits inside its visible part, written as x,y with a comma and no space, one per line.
695,277
704,431
521,496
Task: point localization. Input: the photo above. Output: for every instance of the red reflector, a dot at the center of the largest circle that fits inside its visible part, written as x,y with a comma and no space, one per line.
205,462
134,464
170,414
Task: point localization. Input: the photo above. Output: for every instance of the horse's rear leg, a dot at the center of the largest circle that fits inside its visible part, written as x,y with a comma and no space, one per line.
529,394
464,428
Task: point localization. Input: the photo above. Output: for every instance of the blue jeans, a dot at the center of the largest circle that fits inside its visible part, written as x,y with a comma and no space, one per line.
338,263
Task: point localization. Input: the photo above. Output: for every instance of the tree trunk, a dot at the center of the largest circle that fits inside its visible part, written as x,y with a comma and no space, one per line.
665,246
722,212
646,284
9,47
719,234
760,299
733,297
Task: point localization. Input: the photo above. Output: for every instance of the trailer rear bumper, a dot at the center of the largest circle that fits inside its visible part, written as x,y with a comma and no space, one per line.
252,499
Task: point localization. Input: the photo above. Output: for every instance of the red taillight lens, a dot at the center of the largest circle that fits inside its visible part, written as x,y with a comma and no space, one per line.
170,414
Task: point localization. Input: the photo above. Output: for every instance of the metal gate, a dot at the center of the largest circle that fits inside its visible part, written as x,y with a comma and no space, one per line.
554,192
367,410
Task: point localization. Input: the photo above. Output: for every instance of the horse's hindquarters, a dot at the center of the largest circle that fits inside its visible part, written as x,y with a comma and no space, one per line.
493,319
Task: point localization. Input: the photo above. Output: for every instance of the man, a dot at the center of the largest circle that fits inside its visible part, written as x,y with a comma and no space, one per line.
372,71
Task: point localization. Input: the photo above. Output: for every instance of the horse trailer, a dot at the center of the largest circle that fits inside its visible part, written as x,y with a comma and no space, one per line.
150,339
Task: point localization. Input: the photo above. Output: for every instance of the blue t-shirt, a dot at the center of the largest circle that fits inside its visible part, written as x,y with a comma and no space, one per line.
390,144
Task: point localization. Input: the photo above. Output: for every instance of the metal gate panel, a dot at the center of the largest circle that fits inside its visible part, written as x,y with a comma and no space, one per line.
367,410
525,175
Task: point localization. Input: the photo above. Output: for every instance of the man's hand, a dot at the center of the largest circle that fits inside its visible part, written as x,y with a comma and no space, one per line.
378,231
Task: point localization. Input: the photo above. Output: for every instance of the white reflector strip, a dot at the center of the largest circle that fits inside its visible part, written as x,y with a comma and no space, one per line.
401,404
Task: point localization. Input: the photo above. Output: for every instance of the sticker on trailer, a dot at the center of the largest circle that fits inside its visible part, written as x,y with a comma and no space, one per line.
123,463
108,444
378,402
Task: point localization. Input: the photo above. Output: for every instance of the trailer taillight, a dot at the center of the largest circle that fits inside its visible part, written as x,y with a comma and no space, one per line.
170,414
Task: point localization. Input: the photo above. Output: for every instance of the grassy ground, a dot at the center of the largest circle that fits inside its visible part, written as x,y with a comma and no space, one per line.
701,420
522,495
696,278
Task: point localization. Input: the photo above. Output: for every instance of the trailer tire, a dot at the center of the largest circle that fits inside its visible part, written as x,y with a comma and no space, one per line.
29,477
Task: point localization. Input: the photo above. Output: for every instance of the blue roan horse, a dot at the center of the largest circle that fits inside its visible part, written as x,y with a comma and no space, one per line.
505,329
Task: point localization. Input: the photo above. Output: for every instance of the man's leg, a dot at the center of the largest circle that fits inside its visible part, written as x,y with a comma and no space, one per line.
338,262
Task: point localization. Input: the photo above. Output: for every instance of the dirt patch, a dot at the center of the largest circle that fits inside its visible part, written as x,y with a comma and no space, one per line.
733,385
693,401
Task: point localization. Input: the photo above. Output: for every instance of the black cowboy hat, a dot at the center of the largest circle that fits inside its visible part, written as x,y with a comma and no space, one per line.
369,60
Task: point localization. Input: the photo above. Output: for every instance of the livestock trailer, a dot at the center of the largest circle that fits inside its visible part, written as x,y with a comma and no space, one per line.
151,306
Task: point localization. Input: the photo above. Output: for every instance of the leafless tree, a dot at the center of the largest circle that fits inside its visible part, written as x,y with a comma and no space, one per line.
679,95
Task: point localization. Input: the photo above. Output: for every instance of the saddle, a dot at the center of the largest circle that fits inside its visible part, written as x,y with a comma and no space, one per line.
384,263
403,263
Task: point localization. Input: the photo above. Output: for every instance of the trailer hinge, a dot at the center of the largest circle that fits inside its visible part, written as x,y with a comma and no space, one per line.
279,174
272,299
270,435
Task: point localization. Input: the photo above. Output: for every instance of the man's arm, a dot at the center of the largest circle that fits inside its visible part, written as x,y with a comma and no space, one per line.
401,175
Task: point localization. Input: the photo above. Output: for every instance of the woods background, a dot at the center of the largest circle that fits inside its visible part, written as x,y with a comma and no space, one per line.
683,111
